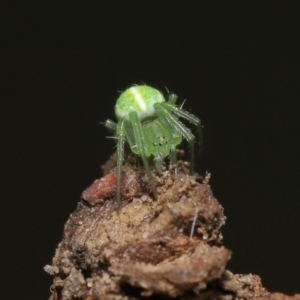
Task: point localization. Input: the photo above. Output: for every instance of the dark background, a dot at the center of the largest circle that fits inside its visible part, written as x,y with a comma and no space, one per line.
62,66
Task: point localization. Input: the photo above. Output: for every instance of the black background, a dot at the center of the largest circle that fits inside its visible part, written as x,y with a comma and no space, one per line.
62,66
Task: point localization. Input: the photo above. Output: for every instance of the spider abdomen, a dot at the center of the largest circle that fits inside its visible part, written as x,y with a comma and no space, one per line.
140,99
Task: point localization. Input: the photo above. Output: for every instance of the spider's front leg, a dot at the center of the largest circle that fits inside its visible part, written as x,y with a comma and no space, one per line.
142,147
172,122
181,113
172,99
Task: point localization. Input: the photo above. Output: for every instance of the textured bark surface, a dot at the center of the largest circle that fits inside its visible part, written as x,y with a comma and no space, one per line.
148,249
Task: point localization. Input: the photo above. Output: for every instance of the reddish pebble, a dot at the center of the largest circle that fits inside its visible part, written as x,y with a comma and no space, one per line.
106,186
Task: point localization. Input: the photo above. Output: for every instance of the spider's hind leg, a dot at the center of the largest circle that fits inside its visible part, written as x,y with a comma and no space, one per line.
172,99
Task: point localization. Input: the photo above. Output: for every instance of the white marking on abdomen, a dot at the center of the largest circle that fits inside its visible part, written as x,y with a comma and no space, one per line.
140,101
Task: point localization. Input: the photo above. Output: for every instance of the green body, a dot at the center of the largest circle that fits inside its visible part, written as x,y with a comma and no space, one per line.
151,127
141,99
159,138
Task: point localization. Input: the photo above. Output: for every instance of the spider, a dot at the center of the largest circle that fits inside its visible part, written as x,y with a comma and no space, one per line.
151,127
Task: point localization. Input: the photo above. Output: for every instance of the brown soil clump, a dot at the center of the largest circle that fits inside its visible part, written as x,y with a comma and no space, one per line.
168,248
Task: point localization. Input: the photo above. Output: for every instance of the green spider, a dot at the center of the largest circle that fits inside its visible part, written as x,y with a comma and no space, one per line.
151,127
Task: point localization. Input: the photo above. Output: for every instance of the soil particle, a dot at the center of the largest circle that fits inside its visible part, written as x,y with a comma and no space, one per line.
167,248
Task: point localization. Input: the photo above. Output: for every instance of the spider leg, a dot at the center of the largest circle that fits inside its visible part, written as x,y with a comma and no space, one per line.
172,99
158,161
141,145
189,117
171,120
173,157
182,113
120,151
111,125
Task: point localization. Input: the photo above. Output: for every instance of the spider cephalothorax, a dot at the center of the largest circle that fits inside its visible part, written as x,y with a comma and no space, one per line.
151,127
